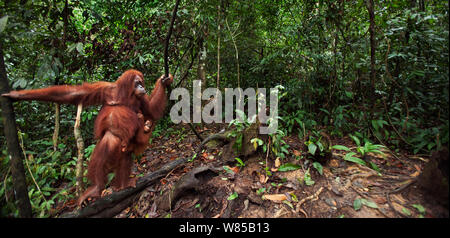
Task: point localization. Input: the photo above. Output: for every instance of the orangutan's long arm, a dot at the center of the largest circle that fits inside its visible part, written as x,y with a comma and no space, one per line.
88,94
153,106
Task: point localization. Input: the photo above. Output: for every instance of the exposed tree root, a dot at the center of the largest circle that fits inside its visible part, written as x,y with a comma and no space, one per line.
114,203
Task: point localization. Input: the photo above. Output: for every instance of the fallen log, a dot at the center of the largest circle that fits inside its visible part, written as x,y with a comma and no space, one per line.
114,203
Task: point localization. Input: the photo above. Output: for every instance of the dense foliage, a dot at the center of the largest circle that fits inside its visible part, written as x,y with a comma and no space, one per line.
319,51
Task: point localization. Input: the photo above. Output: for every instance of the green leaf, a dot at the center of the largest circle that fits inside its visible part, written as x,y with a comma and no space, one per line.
312,148
321,148
340,147
406,212
284,149
419,207
374,167
349,157
319,167
431,145
71,47
260,191
324,110
307,178
238,143
256,142
349,94
309,182
361,150
193,157
376,151
80,47
240,162
356,140
288,203
241,115
20,83
381,123
288,167
232,196
3,22
228,170
294,197
375,125
368,203
357,204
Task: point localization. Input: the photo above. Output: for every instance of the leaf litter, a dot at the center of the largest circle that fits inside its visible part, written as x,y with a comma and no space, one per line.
345,189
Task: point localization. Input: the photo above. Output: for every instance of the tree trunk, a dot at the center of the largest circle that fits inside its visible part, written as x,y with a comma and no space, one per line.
61,56
370,6
166,45
232,35
56,130
218,46
80,145
12,142
201,71
201,75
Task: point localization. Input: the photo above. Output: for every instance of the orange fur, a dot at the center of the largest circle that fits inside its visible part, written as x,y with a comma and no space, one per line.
117,124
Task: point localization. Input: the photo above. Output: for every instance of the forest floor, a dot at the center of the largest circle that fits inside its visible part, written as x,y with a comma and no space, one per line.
206,189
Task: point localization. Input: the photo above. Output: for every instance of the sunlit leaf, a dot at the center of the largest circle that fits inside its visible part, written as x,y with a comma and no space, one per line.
406,211
232,196
340,147
419,207
288,167
349,157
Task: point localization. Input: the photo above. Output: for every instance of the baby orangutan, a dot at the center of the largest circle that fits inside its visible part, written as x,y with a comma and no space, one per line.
142,136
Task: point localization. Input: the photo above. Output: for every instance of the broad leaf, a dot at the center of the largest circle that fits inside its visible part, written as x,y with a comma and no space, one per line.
232,196
406,212
419,207
312,148
374,167
349,157
307,178
368,203
319,167
288,167
357,204
356,140
340,147
240,162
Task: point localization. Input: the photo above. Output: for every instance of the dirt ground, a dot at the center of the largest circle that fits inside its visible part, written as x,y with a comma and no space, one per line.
208,186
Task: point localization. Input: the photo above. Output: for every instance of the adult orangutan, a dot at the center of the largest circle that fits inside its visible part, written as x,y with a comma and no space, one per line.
123,125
